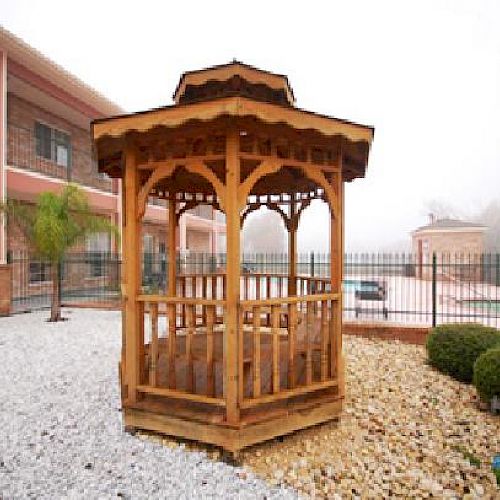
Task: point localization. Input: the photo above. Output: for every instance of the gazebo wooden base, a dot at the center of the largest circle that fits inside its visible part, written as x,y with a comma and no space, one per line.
231,439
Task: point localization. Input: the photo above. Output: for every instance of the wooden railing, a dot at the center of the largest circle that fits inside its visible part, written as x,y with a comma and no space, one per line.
254,286
170,358
287,346
299,349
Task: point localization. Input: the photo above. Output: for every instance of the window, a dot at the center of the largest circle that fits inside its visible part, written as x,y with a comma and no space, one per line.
98,246
39,272
53,145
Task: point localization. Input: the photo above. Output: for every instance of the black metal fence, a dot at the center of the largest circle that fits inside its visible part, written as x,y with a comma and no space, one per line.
84,279
397,288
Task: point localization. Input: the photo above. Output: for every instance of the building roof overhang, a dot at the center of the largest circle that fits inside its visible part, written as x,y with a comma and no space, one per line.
25,56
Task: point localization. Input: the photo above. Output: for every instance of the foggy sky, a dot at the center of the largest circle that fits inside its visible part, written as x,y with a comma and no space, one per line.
426,74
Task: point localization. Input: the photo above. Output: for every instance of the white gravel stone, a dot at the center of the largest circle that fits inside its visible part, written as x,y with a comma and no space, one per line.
60,423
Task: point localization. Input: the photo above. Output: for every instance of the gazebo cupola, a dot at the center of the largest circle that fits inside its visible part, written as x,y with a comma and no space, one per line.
234,79
224,357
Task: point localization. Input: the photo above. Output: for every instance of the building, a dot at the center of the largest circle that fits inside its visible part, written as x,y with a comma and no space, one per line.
45,115
457,243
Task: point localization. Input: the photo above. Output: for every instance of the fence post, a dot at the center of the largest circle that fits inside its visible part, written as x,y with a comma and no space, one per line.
497,270
434,289
311,265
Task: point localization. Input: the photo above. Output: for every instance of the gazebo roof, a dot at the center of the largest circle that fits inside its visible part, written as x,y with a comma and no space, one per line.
227,72
241,94
447,224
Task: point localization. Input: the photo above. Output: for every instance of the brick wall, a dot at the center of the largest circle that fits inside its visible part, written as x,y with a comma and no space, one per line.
406,334
21,144
5,290
456,247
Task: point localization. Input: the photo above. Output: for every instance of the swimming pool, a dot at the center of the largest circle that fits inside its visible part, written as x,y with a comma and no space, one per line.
488,305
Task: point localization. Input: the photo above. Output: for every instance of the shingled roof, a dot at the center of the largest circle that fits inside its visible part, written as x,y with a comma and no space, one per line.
448,223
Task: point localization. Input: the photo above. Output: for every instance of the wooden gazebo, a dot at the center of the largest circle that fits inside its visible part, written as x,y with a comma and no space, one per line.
231,358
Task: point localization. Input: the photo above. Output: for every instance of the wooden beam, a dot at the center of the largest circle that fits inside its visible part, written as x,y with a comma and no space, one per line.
172,253
152,165
132,275
233,276
336,270
289,162
292,249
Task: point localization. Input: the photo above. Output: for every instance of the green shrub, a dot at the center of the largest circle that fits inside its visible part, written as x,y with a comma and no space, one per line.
487,374
497,475
453,348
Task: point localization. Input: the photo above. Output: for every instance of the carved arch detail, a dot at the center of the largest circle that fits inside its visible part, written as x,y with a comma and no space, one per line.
156,175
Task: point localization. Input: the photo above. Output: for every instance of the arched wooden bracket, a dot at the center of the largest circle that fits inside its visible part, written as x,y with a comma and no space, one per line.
252,207
265,168
317,175
291,223
189,205
159,173
202,169
286,219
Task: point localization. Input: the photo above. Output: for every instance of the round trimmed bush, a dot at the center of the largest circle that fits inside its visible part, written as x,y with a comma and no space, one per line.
487,374
454,348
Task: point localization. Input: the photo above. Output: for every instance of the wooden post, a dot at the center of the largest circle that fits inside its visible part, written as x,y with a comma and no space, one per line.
336,269
172,264
231,203
132,274
292,249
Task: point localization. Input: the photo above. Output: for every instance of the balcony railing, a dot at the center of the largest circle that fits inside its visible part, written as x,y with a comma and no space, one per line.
79,166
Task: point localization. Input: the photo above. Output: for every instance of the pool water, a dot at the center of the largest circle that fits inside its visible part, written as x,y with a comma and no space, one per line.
490,305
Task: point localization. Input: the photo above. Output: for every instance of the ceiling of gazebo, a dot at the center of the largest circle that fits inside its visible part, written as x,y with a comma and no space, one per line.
286,180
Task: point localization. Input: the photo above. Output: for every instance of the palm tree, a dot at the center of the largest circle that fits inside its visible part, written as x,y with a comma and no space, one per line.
55,224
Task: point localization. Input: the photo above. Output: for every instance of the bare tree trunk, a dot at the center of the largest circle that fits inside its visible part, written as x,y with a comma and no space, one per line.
55,308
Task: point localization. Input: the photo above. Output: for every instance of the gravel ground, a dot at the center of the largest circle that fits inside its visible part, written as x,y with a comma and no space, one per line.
407,431
60,422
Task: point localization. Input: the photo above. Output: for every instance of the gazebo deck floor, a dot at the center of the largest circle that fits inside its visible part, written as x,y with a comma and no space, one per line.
199,423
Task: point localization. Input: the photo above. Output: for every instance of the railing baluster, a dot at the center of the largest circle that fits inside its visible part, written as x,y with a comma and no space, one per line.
172,345
204,296
190,313
153,354
183,307
307,340
209,313
324,340
292,329
275,309
241,351
333,340
256,352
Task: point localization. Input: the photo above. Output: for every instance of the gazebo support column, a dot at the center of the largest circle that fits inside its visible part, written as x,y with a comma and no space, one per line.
292,248
172,254
231,205
336,270
132,276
